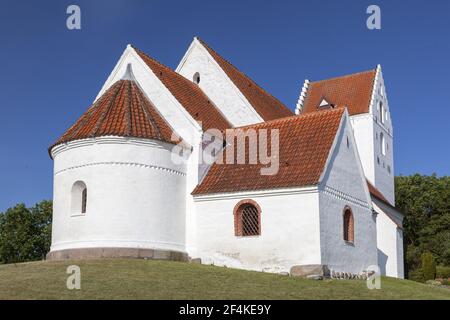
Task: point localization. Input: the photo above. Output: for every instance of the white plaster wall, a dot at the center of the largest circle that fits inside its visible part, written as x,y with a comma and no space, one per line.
363,132
367,128
384,180
136,195
344,185
217,86
400,257
191,182
383,164
289,231
384,171
389,241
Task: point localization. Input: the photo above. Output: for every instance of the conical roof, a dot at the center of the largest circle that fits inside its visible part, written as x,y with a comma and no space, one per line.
123,110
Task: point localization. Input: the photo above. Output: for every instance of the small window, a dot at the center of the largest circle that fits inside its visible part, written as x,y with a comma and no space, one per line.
381,112
383,144
348,225
348,142
389,169
79,198
196,78
247,219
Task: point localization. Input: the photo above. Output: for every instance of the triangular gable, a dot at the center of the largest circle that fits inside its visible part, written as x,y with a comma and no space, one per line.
266,105
343,162
191,97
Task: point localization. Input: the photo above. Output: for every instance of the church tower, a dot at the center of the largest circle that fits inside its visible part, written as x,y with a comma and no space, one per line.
364,95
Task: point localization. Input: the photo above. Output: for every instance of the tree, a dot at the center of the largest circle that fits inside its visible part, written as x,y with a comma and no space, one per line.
425,202
25,233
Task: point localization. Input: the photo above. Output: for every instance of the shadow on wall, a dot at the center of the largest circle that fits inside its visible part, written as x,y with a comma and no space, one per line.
382,261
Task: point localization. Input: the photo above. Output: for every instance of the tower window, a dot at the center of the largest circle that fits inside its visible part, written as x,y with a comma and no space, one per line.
383,144
247,219
349,233
196,78
348,143
381,112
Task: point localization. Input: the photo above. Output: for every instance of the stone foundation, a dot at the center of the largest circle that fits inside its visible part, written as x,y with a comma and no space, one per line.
318,272
310,271
133,253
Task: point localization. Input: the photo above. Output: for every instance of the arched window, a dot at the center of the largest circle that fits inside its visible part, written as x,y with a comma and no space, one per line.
247,219
79,198
383,144
196,78
348,225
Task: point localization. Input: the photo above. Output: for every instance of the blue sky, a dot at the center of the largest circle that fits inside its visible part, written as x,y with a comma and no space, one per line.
50,75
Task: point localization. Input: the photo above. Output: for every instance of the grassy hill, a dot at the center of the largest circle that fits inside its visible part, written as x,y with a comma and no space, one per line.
141,279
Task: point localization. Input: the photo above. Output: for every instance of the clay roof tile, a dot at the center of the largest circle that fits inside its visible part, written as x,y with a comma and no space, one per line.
304,145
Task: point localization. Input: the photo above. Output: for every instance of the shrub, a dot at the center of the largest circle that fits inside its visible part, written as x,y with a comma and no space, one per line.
443,272
416,275
428,266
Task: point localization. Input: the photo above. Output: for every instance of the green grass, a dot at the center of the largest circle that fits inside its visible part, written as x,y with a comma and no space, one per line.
141,279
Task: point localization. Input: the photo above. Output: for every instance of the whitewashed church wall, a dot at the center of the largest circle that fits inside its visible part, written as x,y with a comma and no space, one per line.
289,231
389,241
135,195
344,185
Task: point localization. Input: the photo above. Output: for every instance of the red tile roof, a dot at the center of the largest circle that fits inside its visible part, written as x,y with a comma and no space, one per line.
352,91
123,110
188,94
376,193
266,105
305,142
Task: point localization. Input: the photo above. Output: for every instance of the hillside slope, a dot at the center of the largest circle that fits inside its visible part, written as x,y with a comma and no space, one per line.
141,279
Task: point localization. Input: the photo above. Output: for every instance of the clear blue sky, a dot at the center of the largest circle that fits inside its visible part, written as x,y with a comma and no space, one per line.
50,75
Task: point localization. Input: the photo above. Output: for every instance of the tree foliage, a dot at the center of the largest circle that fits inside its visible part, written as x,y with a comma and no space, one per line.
425,202
25,233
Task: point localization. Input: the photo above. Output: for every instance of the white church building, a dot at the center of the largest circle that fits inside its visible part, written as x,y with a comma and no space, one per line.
130,178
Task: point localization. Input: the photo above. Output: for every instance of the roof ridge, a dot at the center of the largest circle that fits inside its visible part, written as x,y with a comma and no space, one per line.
294,117
243,73
345,76
185,81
